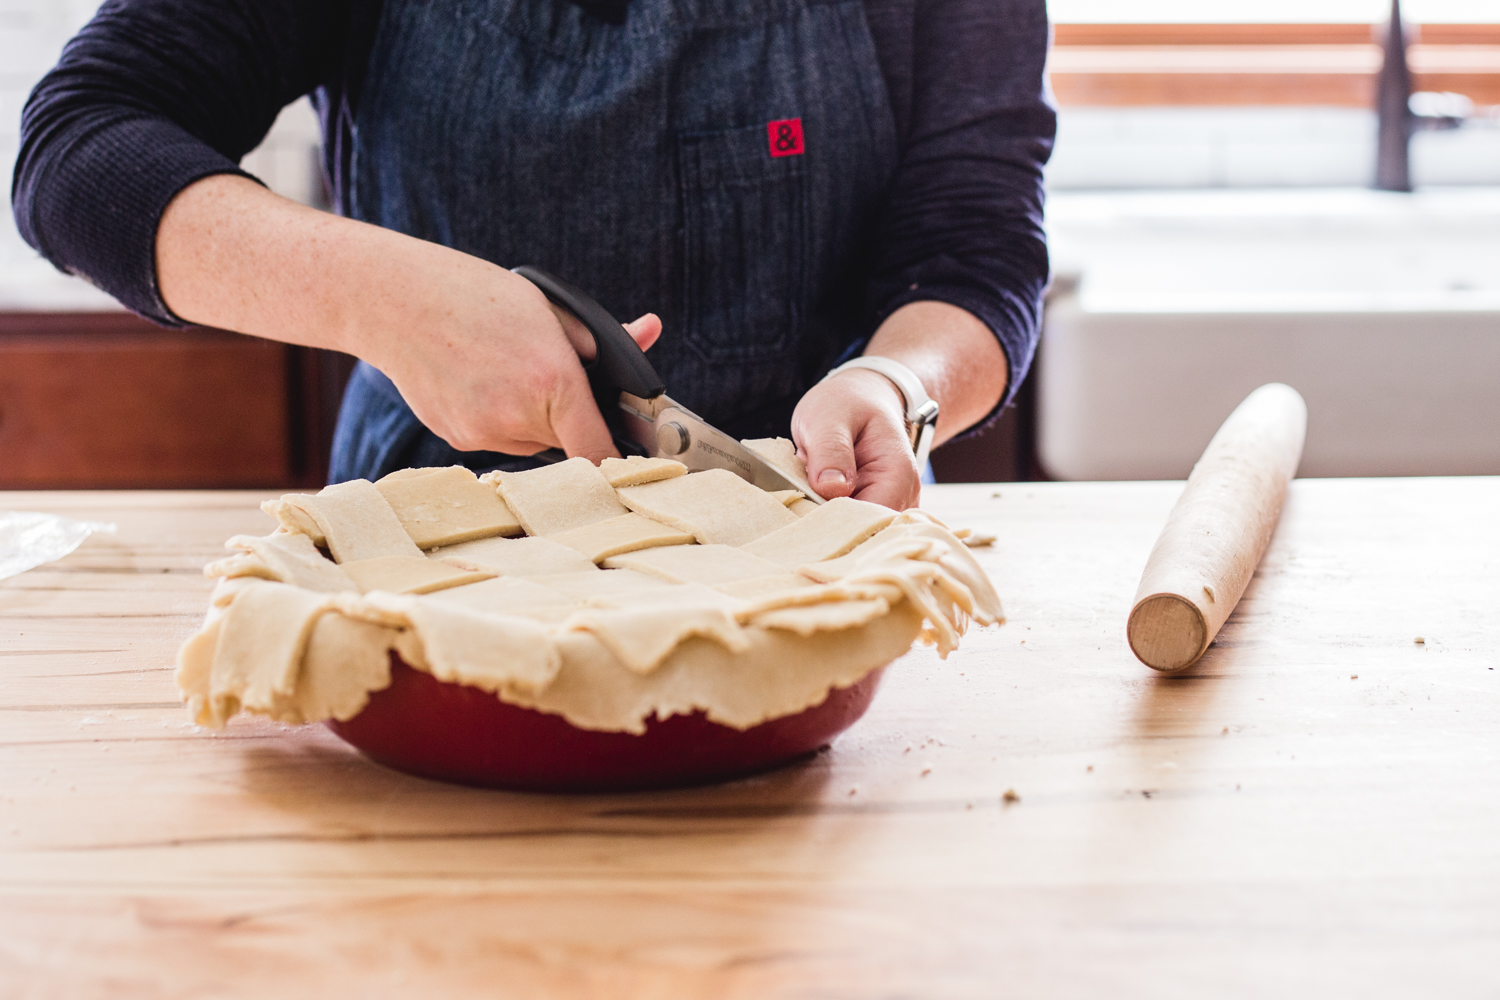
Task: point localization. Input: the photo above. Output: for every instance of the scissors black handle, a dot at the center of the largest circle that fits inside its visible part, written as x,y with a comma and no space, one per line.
619,364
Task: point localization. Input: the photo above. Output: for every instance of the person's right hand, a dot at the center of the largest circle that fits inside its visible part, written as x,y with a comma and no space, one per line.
480,355
492,365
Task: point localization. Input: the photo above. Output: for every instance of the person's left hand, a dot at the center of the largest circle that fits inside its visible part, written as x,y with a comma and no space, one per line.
851,429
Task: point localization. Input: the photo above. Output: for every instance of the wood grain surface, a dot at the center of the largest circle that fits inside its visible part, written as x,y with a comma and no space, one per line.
1311,810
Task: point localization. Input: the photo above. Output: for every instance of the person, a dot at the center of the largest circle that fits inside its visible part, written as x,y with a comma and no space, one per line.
771,186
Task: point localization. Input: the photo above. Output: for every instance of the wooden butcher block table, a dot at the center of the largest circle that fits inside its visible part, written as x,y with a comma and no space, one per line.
1313,810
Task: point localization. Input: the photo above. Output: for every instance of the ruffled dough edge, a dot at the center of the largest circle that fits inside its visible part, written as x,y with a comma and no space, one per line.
761,665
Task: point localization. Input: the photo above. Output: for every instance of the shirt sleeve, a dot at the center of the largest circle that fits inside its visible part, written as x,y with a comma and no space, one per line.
151,96
976,124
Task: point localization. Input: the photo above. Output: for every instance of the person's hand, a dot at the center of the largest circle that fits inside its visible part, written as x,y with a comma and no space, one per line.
851,430
494,366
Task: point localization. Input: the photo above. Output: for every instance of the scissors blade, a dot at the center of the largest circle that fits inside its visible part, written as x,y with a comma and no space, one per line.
666,429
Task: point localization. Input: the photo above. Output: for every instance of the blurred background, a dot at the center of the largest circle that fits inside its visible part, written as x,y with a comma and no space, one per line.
1214,225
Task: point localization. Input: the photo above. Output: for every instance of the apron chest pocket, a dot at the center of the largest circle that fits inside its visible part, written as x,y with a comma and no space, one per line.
745,220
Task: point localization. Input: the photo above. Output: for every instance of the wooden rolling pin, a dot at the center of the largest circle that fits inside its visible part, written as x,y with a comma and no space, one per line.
1218,530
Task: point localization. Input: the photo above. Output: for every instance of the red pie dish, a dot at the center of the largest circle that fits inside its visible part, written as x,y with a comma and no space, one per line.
454,732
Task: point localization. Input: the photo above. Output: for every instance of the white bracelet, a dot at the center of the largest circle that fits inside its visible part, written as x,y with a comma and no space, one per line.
921,409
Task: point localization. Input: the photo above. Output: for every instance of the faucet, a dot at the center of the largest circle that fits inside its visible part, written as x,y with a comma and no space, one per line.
1393,110
1402,113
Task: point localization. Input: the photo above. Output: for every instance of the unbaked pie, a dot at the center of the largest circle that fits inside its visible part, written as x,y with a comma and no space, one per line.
607,595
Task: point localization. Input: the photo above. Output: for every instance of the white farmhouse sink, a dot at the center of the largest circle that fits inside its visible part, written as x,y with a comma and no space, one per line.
1383,310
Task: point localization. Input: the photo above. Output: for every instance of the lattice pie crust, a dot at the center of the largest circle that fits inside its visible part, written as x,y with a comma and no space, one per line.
603,594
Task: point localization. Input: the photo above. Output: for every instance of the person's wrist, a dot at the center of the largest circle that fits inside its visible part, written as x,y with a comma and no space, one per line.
372,301
875,388
919,411
413,292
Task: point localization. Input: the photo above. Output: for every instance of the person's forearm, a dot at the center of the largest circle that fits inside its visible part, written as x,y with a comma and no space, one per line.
233,255
953,353
477,352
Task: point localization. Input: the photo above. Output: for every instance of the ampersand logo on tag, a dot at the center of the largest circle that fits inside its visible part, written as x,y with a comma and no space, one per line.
785,137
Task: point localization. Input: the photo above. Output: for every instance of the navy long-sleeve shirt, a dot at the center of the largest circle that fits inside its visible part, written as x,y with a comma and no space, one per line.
155,94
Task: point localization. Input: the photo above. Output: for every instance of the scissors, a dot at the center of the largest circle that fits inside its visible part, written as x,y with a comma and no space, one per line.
633,400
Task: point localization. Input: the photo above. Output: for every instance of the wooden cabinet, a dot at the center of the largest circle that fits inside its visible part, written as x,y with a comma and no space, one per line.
108,400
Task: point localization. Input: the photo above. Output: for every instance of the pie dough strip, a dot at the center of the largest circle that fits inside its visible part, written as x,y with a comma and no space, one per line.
754,607
890,546
959,562
918,540
598,589
259,650
292,514
809,618
641,637
410,574
781,674
627,533
285,557
942,631
635,470
802,506
511,595
195,664
446,506
356,522
782,456
346,661
519,557
492,652
715,506
707,564
680,595
826,533
558,497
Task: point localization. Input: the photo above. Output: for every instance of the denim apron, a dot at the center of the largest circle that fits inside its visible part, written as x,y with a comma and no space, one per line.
722,163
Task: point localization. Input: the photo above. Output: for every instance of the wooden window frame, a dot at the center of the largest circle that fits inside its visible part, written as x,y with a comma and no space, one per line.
1261,64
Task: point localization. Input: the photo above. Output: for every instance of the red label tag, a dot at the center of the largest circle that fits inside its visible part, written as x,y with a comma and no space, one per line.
785,137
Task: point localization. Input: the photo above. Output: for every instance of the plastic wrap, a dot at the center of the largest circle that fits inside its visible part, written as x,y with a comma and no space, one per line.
29,539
